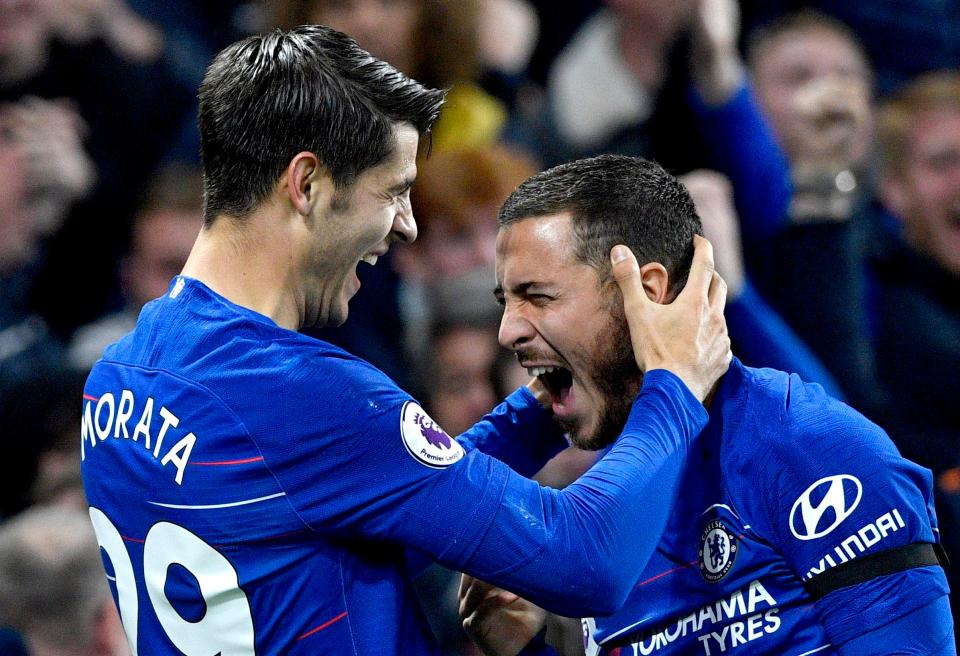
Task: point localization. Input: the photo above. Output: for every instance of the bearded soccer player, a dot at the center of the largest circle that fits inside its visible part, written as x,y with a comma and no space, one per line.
257,491
798,528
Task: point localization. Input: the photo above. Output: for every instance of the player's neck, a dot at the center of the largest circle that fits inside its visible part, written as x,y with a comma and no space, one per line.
250,263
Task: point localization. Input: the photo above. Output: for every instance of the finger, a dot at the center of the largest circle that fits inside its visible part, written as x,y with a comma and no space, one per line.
465,580
717,295
475,593
701,268
505,598
626,272
540,392
466,583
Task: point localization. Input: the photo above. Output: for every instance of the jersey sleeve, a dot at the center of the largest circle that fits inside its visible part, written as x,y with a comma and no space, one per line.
930,628
370,464
831,487
518,432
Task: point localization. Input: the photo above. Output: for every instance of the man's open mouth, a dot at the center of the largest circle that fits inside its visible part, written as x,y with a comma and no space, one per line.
557,380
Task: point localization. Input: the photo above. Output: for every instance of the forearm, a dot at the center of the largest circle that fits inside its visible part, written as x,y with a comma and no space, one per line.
518,432
577,552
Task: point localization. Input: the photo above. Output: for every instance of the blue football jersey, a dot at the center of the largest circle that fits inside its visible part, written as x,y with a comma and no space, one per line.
257,491
784,483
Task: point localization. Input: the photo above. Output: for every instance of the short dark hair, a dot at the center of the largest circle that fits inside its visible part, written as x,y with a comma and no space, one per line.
614,200
268,97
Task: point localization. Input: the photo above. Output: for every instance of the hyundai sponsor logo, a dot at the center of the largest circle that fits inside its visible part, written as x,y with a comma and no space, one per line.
824,505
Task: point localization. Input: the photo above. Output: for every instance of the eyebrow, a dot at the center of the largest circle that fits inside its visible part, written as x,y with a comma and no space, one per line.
520,289
401,186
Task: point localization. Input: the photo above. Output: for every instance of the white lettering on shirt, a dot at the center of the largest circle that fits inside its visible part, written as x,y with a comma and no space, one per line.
104,417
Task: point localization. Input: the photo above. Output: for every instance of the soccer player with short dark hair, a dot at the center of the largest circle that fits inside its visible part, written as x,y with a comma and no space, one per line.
257,491
797,527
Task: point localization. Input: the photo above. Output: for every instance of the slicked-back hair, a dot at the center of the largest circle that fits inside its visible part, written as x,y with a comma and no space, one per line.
268,97
613,200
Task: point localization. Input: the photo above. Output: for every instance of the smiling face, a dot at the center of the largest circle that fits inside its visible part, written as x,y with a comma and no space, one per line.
360,228
567,326
925,192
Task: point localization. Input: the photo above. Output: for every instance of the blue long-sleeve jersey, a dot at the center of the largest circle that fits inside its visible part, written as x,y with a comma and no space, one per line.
256,491
785,484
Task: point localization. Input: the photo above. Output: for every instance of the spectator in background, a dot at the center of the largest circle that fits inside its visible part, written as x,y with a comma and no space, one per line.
31,358
917,294
58,171
52,588
461,386
89,62
454,44
813,82
918,277
164,230
903,38
761,336
622,83
605,86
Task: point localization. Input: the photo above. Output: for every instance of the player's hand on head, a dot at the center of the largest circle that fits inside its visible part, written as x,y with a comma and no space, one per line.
499,622
688,336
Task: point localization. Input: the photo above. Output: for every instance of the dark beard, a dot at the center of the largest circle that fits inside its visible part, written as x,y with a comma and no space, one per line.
618,378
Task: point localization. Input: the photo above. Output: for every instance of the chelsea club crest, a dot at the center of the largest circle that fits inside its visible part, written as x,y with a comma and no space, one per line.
718,550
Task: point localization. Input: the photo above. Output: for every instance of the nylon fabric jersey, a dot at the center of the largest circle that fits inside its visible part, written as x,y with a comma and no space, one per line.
785,482
257,491
261,402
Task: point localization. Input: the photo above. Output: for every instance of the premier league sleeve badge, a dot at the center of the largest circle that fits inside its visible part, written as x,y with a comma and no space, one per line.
425,440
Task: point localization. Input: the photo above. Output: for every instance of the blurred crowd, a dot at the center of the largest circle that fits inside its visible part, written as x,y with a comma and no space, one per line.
820,140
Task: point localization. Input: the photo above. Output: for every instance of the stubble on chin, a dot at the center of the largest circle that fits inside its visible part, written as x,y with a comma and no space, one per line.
618,379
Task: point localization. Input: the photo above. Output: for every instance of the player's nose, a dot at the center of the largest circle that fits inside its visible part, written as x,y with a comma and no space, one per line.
404,225
515,329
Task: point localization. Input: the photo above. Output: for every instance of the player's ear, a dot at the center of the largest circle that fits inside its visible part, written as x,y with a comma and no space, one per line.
307,184
656,282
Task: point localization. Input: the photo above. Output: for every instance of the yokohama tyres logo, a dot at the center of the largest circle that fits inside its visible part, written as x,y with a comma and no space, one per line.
836,499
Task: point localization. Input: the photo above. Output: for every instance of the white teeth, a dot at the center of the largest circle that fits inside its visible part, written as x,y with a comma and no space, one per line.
539,371
370,259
